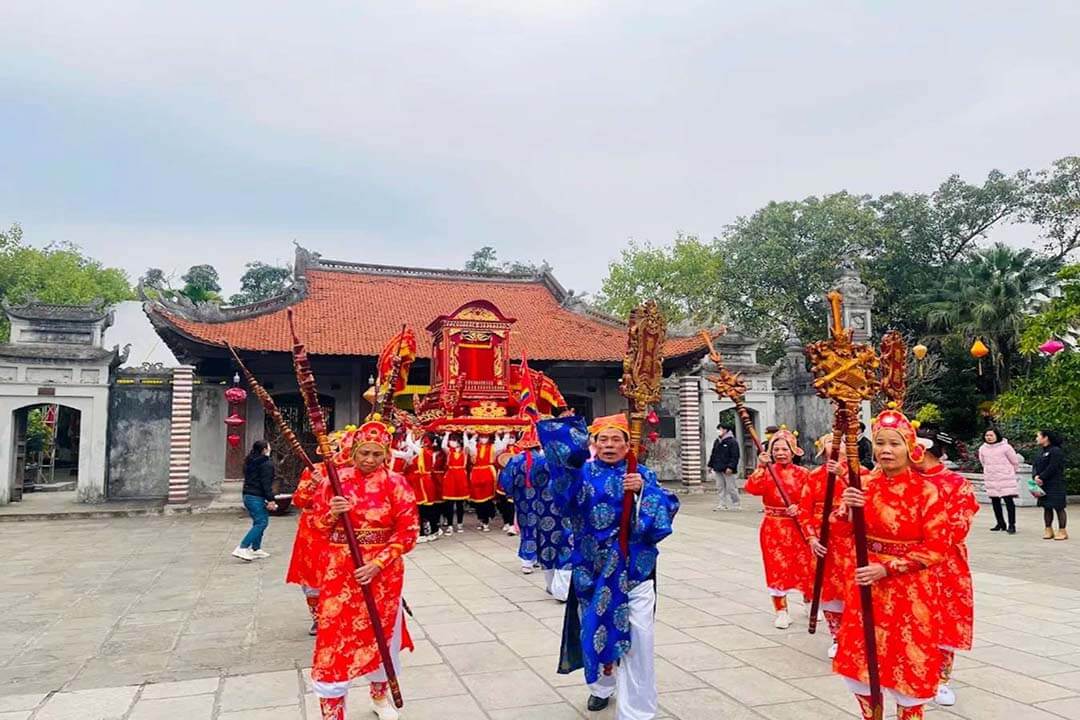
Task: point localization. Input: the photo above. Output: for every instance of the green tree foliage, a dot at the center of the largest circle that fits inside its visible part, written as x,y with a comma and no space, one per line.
202,284
261,281
486,260
1060,317
1054,205
988,297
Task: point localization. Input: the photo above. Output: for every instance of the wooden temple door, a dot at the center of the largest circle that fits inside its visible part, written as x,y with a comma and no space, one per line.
287,467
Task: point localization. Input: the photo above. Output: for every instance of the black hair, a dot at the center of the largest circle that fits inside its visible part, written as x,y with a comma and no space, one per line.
997,434
258,448
1053,436
940,442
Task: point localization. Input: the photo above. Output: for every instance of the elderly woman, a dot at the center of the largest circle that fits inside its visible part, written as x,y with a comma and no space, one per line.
783,551
999,463
908,533
382,508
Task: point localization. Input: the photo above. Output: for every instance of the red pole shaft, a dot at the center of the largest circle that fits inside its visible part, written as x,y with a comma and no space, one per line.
748,426
839,426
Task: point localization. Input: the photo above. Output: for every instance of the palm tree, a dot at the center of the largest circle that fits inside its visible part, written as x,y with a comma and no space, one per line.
988,297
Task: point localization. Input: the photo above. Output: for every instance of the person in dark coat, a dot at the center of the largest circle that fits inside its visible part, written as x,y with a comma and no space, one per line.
1049,474
724,464
258,500
866,449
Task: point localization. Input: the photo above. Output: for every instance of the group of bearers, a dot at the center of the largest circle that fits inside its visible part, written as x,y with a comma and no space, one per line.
917,517
568,482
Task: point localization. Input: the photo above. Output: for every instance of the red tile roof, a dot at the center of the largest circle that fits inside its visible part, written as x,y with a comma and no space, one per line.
354,311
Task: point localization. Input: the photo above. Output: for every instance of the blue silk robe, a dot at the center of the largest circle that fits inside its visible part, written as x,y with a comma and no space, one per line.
545,536
596,629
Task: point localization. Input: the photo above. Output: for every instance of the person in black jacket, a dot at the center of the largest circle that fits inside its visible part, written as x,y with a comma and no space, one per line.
724,464
258,500
866,448
1049,474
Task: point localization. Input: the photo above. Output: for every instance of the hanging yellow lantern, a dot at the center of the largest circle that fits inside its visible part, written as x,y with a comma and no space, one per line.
919,351
979,351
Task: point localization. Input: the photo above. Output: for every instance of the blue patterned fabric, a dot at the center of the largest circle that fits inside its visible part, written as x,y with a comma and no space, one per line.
545,536
590,496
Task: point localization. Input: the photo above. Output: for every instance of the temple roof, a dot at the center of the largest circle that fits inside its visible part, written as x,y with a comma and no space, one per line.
351,309
34,310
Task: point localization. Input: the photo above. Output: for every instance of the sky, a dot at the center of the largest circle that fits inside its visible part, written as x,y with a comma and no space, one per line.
172,134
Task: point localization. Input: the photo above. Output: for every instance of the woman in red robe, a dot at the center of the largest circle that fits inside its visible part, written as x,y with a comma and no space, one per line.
907,530
840,553
382,508
455,483
419,473
956,595
783,550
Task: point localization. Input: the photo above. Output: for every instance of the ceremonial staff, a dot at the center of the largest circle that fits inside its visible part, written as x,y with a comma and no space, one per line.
640,385
732,386
306,379
271,409
846,373
839,428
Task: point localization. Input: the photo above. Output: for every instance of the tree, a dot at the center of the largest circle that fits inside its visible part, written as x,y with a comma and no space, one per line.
482,260
1054,205
1059,317
202,284
988,297
154,278
261,281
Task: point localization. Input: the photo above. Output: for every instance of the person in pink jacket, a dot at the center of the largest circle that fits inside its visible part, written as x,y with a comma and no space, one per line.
999,462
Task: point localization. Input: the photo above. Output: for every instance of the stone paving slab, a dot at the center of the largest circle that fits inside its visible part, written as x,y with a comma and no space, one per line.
159,621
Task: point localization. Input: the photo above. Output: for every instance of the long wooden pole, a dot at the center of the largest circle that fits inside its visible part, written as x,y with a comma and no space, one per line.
306,379
748,426
862,559
839,428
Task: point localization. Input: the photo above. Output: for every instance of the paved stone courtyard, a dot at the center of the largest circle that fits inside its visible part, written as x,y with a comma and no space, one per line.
150,618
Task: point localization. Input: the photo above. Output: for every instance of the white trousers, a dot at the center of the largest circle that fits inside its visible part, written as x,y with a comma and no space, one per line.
860,688
339,688
558,583
634,682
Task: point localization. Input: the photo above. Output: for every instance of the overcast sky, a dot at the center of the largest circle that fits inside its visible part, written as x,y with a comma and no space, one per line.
170,134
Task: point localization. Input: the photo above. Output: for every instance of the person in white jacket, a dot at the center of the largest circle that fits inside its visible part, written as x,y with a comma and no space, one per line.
1000,462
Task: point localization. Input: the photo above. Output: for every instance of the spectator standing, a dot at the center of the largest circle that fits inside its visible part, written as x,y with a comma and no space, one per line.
724,464
1049,474
1000,463
258,500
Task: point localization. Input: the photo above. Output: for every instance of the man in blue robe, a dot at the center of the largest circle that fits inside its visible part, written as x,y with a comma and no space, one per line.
545,537
609,626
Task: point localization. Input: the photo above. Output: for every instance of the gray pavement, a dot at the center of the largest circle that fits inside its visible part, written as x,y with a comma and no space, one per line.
150,617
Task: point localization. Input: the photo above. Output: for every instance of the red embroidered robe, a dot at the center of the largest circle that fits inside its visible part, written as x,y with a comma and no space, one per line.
786,556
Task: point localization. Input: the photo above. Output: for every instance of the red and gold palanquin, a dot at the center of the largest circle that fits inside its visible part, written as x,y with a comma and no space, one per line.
908,533
785,554
386,523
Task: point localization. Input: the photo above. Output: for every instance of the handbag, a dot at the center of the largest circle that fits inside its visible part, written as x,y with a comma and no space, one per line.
1034,488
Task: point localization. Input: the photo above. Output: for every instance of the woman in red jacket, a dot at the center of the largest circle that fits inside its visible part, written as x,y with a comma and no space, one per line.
783,550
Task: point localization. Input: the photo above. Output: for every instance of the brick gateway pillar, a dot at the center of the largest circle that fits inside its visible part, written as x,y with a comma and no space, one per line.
180,435
690,467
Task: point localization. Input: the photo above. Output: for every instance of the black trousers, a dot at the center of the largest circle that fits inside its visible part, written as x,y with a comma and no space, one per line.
1010,507
485,511
1048,517
429,518
452,507
506,509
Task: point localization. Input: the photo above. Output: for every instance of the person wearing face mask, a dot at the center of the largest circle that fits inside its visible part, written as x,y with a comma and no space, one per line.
840,553
455,483
908,534
609,624
956,596
783,551
382,508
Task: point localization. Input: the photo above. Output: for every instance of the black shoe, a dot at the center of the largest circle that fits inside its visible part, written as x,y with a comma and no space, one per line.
596,704
314,629
997,527
1011,530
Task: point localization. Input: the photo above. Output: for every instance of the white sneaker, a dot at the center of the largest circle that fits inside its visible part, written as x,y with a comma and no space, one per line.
783,620
433,537
384,709
527,569
485,528
832,651
422,539
720,508
244,554
510,530
261,554
461,527
945,696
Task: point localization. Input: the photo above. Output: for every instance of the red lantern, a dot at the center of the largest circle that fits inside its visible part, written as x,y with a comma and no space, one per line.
234,421
653,436
234,440
235,395
652,418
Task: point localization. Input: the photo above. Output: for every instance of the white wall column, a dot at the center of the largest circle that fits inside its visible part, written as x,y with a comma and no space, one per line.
690,464
183,382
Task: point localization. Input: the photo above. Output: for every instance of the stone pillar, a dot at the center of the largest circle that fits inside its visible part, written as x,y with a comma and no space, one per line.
183,382
690,465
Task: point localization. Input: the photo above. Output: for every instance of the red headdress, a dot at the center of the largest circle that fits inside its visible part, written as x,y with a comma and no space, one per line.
893,419
785,435
374,432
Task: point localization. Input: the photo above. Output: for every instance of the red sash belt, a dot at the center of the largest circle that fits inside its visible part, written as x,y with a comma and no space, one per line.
896,548
364,536
771,511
